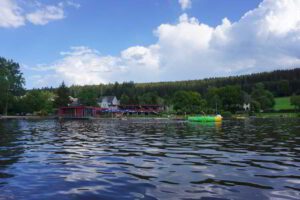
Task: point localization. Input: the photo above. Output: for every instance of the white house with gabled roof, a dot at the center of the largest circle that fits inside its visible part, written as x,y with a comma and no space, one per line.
109,102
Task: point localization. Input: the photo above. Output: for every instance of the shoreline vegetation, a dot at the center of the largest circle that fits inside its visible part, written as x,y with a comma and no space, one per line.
243,116
276,92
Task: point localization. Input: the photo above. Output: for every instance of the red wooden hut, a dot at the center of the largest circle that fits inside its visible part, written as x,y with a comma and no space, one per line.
77,112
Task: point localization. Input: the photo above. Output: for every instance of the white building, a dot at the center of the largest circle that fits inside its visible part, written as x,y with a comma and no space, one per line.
73,101
110,102
247,106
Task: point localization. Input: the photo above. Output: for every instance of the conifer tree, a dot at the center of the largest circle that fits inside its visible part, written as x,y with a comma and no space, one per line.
62,96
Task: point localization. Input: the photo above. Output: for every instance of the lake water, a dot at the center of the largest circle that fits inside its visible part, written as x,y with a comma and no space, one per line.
251,159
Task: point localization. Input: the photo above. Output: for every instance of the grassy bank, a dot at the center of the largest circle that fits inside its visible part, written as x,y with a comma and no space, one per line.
278,115
283,103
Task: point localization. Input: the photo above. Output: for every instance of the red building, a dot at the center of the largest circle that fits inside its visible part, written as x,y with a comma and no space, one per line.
87,112
77,112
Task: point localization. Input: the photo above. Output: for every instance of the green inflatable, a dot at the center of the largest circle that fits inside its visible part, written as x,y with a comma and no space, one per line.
217,118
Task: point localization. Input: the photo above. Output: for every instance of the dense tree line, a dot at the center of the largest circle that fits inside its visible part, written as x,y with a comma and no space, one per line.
279,83
194,96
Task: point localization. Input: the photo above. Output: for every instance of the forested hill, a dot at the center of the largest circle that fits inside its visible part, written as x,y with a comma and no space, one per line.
279,82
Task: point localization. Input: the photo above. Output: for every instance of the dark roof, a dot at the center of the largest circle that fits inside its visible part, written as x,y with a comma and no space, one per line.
72,107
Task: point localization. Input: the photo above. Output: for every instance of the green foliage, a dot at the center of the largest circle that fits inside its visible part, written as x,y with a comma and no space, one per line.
87,97
11,83
166,90
36,101
213,99
226,114
264,97
255,106
227,98
188,102
283,103
150,98
124,99
62,96
231,97
246,97
295,101
246,82
283,88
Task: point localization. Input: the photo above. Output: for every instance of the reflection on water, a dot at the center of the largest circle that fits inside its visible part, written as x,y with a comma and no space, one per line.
251,159
10,148
217,125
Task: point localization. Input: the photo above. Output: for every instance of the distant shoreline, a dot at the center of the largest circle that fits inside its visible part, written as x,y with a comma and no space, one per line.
27,117
177,118
103,118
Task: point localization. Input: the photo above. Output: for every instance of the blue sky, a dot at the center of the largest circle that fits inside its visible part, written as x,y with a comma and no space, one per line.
121,40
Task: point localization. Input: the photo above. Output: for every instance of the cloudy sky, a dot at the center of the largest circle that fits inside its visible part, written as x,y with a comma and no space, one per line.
101,41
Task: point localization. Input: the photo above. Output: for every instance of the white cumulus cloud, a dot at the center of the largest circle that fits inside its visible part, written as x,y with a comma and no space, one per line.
10,14
185,4
15,13
265,38
82,65
46,14
73,4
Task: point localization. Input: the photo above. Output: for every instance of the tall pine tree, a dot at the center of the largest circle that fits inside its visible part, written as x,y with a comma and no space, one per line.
62,96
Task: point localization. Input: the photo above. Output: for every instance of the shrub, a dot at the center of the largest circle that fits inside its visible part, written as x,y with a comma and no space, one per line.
226,114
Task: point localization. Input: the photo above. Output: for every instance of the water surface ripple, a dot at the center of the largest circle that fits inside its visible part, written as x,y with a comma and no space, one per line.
150,159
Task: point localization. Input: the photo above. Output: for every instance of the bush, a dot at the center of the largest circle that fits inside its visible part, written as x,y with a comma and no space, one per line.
295,101
255,106
42,113
251,114
226,114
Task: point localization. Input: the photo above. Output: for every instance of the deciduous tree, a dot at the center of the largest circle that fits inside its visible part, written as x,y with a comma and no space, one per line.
262,96
11,83
295,101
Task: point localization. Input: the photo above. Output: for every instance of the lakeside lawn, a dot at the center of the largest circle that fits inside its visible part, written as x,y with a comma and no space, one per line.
283,103
277,115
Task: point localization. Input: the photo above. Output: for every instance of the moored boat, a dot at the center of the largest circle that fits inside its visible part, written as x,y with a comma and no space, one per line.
217,118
